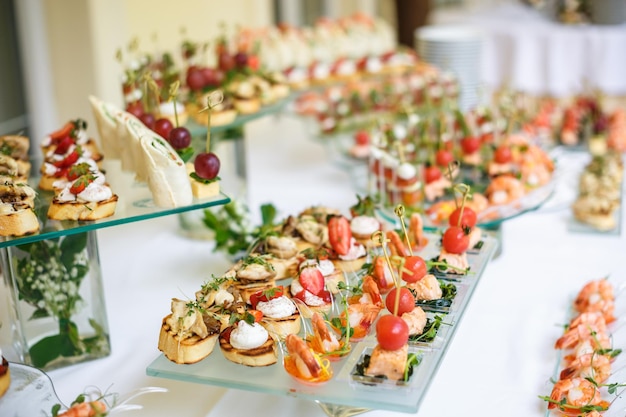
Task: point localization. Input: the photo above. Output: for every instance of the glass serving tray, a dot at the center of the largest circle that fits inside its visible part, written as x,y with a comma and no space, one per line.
135,203
342,390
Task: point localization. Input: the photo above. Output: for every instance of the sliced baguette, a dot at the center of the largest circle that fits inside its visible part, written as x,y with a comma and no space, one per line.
74,210
187,350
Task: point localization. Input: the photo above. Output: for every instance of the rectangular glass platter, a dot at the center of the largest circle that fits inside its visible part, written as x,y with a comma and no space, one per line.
134,203
341,389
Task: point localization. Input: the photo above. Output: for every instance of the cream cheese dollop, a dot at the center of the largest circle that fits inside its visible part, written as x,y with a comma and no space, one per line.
277,308
364,225
248,336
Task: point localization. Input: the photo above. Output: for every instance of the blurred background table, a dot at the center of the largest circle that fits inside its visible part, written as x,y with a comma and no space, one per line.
530,51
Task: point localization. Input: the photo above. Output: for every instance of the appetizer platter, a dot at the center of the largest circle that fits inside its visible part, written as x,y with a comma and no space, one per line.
597,208
589,376
334,345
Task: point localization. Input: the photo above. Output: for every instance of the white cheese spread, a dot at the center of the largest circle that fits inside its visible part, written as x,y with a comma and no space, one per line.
277,308
245,336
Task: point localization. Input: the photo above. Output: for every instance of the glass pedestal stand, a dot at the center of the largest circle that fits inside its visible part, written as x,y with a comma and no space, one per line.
55,300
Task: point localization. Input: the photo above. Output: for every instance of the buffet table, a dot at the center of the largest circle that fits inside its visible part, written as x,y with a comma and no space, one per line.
525,50
501,358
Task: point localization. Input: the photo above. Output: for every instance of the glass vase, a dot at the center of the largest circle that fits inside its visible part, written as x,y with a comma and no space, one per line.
56,308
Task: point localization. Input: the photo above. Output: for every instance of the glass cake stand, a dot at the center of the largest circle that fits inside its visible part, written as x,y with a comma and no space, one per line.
346,394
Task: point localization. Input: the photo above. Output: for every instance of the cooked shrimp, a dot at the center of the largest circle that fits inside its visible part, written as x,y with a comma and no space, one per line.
396,245
440,211
323,338
85,409
477,202
589,365
597,295
427,288
585,326
576,393
382,274
416,231
534,174
361,317
416,320
504,189
304,359
598,342
371,293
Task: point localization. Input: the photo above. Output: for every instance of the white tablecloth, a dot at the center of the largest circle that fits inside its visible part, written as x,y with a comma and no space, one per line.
500,360
525,50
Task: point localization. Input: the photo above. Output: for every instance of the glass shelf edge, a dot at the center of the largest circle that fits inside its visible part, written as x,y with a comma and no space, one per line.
72,227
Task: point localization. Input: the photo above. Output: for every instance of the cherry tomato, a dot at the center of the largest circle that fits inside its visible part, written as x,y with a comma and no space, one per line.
431,174
392,332
455,240
406,303
443,157
362,137
470,145
503,154
415,267
468,219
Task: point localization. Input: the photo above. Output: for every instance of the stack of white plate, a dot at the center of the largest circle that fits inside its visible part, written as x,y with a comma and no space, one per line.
456,49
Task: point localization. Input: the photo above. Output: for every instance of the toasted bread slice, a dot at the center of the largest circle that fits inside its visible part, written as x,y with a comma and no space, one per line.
17,220
187,350
74,210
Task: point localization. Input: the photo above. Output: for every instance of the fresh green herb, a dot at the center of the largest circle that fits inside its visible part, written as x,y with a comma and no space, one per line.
203,180
231,223
430,330
258,260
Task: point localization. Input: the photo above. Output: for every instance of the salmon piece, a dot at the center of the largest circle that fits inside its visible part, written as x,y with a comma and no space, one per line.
390,363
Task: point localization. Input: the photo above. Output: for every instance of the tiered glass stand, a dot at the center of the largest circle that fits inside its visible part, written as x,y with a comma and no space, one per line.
62,259
346,394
